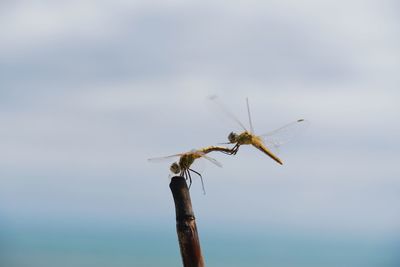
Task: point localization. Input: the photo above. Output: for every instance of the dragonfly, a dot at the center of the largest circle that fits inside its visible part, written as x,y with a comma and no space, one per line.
183,165
264,142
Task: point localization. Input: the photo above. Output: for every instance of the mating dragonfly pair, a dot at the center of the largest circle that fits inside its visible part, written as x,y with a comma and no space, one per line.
264,142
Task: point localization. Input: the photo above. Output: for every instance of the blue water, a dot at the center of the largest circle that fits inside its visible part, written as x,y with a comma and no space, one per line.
39,246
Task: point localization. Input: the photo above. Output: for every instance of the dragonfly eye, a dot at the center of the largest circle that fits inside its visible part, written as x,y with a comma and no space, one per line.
175,168
232,137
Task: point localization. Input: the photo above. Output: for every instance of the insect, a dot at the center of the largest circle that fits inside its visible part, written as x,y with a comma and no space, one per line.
262,142
185,160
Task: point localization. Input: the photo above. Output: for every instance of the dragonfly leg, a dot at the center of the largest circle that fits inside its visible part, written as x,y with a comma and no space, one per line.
190,178
226,152
201,179
230,152
235,149
186,175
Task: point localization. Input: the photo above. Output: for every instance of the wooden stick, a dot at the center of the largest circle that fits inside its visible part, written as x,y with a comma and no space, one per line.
185,224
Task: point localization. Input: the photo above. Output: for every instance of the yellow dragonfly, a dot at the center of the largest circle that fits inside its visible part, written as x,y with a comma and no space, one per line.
264,142
185,160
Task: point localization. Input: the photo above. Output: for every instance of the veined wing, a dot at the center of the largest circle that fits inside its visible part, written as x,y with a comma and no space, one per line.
249,115
285,133
214,161
215,99
165,159
199,164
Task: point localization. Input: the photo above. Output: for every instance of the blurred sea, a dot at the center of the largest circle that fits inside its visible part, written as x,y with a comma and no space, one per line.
101,246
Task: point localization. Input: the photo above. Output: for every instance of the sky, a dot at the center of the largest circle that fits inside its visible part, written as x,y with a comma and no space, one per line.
89,90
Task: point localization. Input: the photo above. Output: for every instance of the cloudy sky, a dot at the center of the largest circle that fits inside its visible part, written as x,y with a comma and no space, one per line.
90,89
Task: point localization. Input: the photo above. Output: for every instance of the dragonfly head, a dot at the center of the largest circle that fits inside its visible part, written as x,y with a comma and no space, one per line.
175,168
232,137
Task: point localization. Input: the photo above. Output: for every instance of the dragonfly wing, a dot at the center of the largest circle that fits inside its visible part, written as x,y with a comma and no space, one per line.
214,161
285,133
165,159
248,114
215,100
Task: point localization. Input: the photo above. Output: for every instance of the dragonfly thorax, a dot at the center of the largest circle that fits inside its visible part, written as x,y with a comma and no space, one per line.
245,138
186,161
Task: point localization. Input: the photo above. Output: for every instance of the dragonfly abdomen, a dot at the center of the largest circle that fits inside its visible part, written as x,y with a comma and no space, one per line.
267,152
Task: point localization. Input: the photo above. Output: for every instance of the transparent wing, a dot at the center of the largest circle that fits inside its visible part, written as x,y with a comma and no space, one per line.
284,134
214,161
248,113
165,159
216,102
